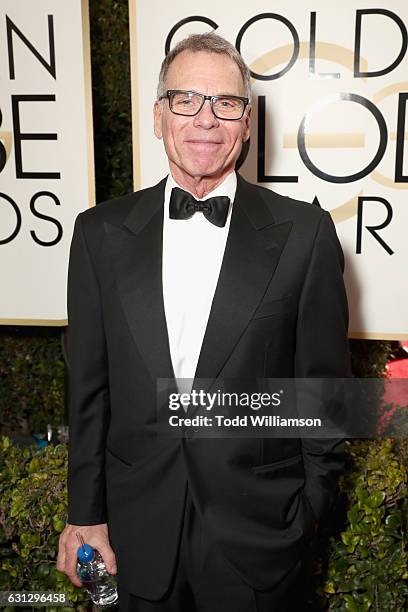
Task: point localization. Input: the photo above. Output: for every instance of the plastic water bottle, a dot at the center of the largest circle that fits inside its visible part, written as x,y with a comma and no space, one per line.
94,576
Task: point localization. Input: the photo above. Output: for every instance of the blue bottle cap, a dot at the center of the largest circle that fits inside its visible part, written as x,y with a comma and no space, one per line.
85,553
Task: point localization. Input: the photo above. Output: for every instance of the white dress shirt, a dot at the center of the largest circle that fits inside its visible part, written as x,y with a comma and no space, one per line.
193,250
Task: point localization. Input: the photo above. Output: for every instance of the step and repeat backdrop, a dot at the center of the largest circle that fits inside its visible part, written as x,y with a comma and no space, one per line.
329,123
46,148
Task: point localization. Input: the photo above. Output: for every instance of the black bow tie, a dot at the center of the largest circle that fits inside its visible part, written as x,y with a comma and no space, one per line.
183,206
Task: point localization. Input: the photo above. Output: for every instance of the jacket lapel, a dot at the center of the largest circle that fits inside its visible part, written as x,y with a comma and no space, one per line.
252,252
137,253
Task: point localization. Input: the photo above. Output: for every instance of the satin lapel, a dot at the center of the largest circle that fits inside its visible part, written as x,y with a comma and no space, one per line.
136,248
252,252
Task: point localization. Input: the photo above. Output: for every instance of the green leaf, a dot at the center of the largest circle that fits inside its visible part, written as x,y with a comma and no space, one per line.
375,499
329,587
58,524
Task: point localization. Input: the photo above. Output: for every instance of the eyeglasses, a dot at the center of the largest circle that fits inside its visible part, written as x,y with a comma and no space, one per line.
189,103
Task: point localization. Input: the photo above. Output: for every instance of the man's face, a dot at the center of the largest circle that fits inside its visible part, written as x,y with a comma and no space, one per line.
202,146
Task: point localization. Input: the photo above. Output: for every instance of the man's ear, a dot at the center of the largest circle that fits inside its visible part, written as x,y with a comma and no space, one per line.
247,124
157,119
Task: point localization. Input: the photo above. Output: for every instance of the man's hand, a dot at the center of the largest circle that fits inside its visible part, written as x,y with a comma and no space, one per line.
95,535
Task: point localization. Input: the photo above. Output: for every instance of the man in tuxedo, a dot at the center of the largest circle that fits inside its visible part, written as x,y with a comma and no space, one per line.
203,276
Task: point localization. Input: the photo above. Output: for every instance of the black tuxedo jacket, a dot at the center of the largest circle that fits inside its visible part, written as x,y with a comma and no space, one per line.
279,310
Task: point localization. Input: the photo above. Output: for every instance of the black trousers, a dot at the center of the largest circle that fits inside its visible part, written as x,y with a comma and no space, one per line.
204,581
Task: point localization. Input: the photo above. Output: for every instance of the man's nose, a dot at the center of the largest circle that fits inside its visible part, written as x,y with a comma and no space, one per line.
206,118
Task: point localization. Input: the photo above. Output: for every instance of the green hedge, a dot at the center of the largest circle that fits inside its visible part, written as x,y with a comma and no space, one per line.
31,380
33,509
111,98
367,566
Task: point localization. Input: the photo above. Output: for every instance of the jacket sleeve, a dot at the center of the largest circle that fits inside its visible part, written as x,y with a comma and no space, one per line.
88,385
322,352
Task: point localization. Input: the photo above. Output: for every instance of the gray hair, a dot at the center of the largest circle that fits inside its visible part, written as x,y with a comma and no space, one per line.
210,43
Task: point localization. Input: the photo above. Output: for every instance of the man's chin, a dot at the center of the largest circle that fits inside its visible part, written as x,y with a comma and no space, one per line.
198,171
